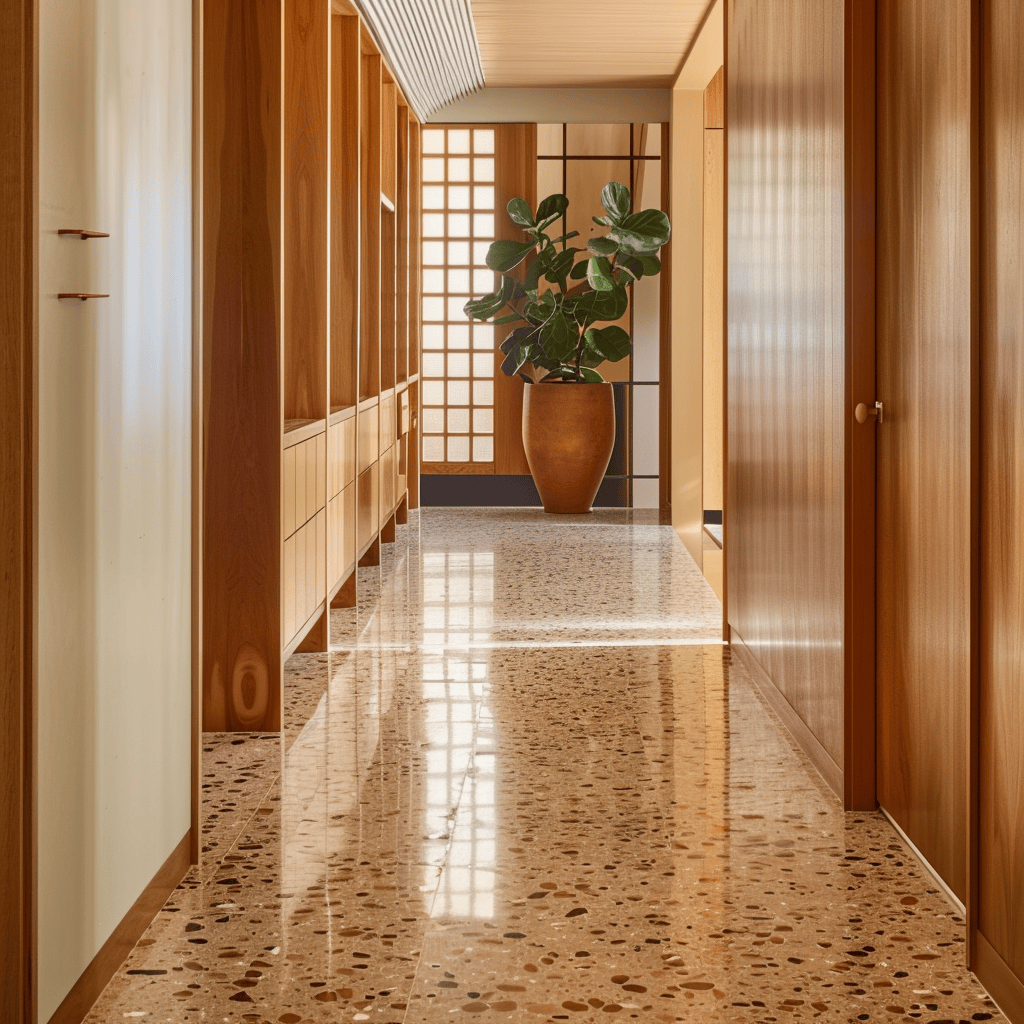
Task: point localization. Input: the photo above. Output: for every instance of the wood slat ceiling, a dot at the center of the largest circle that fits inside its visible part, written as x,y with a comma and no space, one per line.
585,43
429,46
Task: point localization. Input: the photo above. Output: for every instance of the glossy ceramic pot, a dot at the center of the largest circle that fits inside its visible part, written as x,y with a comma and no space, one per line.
568,434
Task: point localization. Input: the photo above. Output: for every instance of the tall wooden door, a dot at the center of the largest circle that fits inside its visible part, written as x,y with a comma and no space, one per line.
998,919
924,442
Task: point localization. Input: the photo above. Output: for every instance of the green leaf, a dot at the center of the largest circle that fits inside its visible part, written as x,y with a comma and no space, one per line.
519,211
513,362
529,380
651,265
560,265
505,255
603,246
552,208
633,266
643,232
610,342
590,307
590,376
605,222
521,337
510,319
599,274
564,238
580,270
559,337
485,308
615,199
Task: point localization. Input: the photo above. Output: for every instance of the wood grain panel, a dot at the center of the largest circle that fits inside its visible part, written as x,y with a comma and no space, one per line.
348,520
415,245
288,488
346,183
924,458
402,204
515,162
714,101
306,42
348,449
388,297
786,354
388,421
635,51
714,315
368,441
1000,907
18,457
388,138
242,357
369,284
289,617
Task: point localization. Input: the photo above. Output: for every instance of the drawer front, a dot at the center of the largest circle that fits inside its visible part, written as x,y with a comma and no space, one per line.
341,462
388,484
403,416
303,483
368,429
388,422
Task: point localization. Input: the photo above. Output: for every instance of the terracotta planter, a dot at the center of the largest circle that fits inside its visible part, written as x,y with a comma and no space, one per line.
568,434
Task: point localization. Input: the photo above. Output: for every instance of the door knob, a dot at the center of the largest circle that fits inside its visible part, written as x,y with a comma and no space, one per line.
862,412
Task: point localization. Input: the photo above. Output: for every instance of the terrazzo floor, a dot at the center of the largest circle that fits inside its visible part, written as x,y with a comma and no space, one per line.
529,784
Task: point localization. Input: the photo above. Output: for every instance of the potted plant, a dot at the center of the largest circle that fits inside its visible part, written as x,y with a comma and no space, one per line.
558,340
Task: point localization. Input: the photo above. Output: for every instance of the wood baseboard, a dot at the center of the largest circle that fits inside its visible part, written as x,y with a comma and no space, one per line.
806,740
1005,988
79,1001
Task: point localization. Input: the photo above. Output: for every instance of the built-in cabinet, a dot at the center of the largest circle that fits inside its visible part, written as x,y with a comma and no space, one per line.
310,262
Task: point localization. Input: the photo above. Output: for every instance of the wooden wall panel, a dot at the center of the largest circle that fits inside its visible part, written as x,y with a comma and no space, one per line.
714,312
924,457
786,353
346,193
18,284
515,162
306,49
1000,840
404,311
714,101
242,356
370,208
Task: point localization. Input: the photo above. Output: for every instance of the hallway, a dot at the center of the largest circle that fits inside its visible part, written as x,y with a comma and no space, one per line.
528,784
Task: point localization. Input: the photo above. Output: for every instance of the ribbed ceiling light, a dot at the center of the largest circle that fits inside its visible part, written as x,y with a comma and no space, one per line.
431,47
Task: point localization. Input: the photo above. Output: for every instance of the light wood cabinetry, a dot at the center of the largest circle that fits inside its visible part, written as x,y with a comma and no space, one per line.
310,261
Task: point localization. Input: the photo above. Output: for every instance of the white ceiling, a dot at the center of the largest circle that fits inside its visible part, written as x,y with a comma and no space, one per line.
585,43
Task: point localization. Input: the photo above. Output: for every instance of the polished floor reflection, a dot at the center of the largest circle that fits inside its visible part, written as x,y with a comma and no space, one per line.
529,784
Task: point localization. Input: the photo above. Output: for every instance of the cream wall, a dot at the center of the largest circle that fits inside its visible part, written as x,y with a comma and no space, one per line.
114,467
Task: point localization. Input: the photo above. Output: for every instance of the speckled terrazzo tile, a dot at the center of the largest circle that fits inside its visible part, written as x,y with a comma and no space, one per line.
624,879
521,788
238,770
305,682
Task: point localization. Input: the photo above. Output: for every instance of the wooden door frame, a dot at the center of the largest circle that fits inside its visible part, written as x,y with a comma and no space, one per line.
18,465
859,666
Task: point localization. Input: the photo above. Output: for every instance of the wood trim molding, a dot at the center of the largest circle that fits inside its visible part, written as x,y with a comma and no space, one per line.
79,1001
805,739
197,430
997,977
18,462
